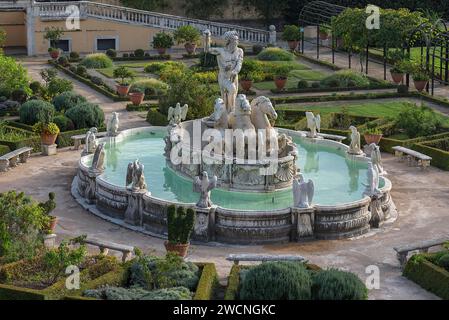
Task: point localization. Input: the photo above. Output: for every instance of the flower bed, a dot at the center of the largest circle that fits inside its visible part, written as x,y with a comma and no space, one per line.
424,270
144,58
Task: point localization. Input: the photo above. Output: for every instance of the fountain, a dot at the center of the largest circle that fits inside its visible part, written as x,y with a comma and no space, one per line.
248,181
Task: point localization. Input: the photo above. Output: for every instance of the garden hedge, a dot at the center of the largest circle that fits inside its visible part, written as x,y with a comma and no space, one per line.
428,275
32,141
156,118
8,292
144,58
338,89
208,282
440,158
4,149
142,107
19,125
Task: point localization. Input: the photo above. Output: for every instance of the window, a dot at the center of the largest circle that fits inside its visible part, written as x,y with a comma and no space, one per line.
105,44
64,45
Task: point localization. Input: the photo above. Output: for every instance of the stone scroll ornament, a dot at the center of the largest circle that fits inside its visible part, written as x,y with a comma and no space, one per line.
204,185
113,125
99,157
303,192
313,123
135,176
355,145
177,114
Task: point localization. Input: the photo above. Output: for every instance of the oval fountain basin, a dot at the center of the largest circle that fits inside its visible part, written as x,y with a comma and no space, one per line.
338,179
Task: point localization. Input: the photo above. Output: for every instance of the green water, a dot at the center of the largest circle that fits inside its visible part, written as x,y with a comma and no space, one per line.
337,179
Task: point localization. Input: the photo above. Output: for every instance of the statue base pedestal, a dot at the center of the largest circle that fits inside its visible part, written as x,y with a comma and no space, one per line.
133,213
49,149
50,241
303,220
204,224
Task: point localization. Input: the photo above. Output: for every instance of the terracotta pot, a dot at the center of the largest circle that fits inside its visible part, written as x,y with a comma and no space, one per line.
420,84
372,138
54,54
136,98
397,77
52,224
293,44
190,48
48,139
246,84
161,51
179,248
323,35
280,82
122,90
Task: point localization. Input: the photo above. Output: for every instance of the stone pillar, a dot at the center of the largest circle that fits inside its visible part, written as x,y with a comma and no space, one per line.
91,186
50,241
377,214
133,213
204,224
272,35
49,150
303,220
31,13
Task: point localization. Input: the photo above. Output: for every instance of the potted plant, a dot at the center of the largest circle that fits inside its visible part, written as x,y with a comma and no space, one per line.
250,69
136,95
162,41
189,35
291,34
325,31
281,76
53,35
180,226
48,206
372,134
400,65
420,78
48,132
123,73
397,73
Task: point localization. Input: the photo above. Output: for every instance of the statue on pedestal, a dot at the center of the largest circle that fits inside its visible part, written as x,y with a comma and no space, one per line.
204,185
302,192
177,114
355,145
313,123
91,141
135,177
113,125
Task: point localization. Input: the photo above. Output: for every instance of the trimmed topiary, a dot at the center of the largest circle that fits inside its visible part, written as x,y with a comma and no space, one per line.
81,70
111,53
443,261
96,61
139,53
335,284
34,111
275,54
155,118
257,48
67,100
151,87
74,55
97,81
302,84
86,115
36,87
276,281
346,78
19,95
64,123
315,85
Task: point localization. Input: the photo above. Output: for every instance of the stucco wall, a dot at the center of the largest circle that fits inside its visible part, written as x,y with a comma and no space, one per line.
14,25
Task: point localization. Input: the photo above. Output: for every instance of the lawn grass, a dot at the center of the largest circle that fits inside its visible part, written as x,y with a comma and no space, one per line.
292,81
107,72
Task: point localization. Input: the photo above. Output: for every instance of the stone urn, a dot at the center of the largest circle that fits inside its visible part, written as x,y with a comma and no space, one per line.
280,82
137,98
293,44
246,84
161,51
397,77
420,84
190,47
372,138
122,90
179,248
48,139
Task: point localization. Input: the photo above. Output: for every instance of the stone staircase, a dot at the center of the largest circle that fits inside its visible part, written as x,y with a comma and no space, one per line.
49,11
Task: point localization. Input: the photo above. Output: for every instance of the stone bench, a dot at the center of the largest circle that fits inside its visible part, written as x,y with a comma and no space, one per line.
412,155
332,137
402,252
13,158
105,246
78,139
236,258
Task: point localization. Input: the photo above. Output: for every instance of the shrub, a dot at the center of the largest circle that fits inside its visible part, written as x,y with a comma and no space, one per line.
34,111
57,86
276,281
208,60
302,84
337,285
151,87
74,55
275,54
118,293
162,40
64,123
207,76
123,73
443,261
81,70
4,149
139,53
291,33
125,55
315,84
12,76
180,224
155,118
97,61
67,100
35,87
159,67
63,61
187,34
346,78
111,53
257,48
19,95
418,121
251,70
97,81
86,115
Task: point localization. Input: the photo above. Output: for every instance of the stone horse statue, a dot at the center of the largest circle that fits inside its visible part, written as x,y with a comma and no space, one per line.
220,116
261,108
240,118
